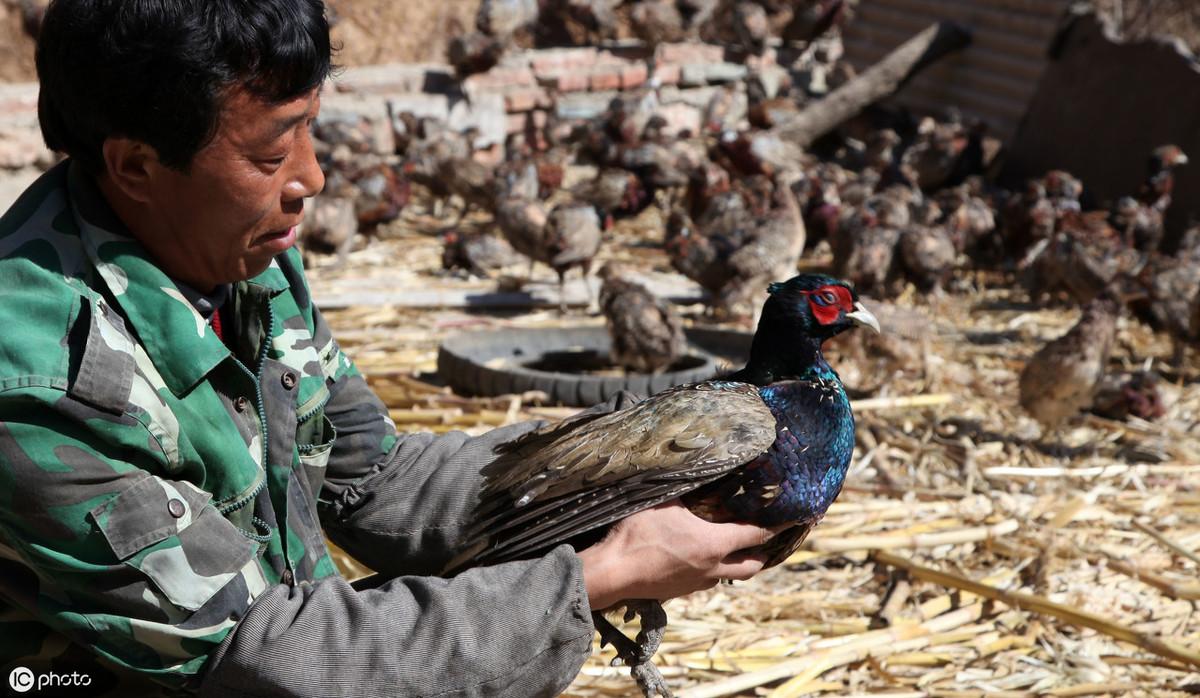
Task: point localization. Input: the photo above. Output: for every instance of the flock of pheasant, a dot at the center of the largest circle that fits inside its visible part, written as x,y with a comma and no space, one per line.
906,203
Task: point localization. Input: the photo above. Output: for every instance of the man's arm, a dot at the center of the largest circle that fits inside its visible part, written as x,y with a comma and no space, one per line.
172,590
521,629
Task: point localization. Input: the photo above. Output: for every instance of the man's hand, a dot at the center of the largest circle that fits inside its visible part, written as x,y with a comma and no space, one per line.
665,552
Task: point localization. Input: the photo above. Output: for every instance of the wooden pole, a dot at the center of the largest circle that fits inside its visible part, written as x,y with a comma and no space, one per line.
879,81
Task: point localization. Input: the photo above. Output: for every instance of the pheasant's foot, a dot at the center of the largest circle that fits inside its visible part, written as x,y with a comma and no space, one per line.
638,655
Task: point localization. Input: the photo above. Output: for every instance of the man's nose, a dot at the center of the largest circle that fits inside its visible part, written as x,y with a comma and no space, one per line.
307,180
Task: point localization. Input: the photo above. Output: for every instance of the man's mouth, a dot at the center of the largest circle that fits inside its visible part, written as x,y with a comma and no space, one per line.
281,239
275,235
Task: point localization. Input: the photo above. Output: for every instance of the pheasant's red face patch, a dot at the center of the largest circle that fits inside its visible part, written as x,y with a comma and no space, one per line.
829,302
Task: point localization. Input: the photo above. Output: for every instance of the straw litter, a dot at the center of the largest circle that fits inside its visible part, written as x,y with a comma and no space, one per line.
967,556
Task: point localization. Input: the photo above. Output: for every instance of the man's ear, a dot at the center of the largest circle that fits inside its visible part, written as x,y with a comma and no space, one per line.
131,165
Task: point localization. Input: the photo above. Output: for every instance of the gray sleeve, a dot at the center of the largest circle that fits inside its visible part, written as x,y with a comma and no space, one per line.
520,629
408,514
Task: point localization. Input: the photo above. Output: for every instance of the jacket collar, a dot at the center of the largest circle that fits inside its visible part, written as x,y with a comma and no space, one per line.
177,338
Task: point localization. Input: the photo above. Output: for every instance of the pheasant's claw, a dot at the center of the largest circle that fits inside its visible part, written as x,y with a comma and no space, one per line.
650,680
637,655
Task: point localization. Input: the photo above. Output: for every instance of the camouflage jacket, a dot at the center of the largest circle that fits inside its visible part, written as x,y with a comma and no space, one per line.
162,495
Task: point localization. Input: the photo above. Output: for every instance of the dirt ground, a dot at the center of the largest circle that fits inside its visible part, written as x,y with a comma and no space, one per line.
369,31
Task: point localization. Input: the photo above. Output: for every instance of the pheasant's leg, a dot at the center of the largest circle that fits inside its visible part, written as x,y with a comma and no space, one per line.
654,624
587,284
638,655
343,250
1178,354
462,214
562,291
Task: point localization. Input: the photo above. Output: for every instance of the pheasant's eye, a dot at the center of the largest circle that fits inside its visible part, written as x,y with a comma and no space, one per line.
829,298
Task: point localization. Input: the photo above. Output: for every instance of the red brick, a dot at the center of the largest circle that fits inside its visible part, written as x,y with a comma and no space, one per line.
690,53
667,73
633,75
571,81
553,62
605,78
515,123
500,78
526,99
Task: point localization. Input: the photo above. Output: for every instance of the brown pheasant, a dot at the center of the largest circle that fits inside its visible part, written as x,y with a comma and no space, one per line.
646,331
1063,376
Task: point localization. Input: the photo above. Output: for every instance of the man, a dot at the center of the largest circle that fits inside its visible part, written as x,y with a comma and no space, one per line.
177,424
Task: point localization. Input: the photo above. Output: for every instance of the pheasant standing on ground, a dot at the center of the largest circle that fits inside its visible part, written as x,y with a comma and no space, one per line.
477,254
1063,376
646,331
864,250
700,255
1171,286
572,239
614,192
1145,214
927,251
971,222
771,250
769,445
931,160
521,218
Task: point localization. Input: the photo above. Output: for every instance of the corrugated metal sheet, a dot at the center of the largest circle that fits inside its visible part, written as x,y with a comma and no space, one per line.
993,79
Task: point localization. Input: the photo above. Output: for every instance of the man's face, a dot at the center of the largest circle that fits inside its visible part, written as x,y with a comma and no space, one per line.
238,205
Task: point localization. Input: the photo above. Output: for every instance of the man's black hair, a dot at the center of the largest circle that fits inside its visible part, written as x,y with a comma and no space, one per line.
157,70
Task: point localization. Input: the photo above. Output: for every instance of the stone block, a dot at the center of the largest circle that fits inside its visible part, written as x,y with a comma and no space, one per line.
693,75
724,72
680,117
420,105
484,112
582,105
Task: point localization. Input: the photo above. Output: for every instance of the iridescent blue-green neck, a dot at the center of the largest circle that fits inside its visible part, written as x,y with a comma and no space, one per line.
772,360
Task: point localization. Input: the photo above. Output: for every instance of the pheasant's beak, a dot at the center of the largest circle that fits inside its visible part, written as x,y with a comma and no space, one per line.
863,317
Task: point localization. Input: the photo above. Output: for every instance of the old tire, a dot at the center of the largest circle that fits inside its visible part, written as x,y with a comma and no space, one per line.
506,362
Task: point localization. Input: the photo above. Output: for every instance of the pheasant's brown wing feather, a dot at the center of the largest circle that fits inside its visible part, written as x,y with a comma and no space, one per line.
563,480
